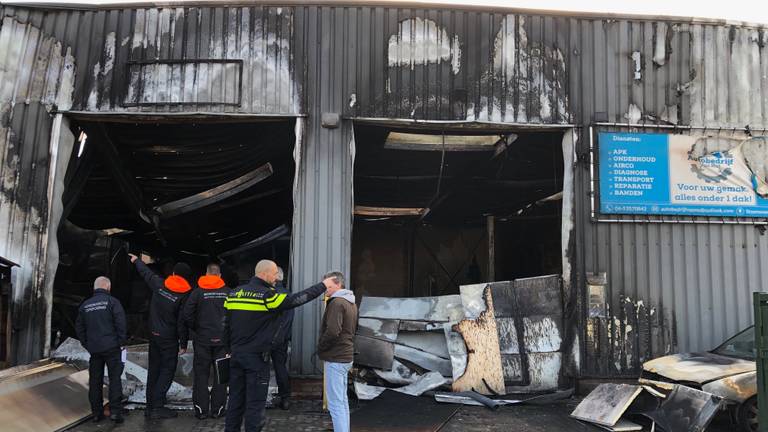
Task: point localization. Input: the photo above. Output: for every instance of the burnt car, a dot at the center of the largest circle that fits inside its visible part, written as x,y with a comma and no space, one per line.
729,371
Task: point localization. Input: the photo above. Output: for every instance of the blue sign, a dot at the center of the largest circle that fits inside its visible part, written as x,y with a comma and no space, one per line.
658,174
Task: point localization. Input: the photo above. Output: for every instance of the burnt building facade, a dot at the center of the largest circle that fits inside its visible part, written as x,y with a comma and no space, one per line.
350,137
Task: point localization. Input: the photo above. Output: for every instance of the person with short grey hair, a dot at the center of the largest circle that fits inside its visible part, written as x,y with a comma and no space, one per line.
250,325
101,328
336,347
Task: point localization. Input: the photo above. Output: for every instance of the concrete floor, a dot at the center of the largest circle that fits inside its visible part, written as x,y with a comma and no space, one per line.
306,416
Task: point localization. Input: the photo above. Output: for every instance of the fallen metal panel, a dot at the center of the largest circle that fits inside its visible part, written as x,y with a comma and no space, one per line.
457,349
35,376
542,334
424,383
214,195
57,405
512,367
539,295
459,398
472,299
607,403
430,342
686,410
443,308
543,372
507,336
377,328
400,374
424,359
623,426
385,414
420,326
374,353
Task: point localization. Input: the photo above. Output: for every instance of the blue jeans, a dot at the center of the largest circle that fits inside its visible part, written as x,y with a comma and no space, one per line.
336,392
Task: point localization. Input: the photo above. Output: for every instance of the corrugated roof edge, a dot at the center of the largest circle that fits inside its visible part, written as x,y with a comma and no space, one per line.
7,263
409,4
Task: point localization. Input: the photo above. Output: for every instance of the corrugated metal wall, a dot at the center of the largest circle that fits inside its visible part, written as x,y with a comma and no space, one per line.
672,287
35,74
237,59
408,63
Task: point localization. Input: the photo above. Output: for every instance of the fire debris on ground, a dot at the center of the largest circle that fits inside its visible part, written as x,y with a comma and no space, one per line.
491,340
621,407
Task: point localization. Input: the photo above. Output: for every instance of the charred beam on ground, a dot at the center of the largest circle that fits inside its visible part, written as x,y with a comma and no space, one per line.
214,195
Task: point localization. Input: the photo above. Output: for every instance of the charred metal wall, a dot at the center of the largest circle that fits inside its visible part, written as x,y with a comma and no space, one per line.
672,286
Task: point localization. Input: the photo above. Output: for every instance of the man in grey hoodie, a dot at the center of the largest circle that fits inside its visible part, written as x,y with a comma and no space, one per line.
336,348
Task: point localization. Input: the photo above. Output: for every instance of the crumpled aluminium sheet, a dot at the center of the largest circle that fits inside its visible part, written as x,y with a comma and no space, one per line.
134,376
424,383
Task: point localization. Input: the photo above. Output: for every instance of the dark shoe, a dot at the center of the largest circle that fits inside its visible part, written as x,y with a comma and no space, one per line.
162,413
117,418
201,416
285,404
218,412
98,418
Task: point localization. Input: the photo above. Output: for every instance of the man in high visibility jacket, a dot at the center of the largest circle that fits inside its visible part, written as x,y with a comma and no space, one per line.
204,314
250,326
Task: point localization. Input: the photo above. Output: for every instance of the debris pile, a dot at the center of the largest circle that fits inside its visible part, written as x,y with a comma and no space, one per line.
135,374
491,339
671,408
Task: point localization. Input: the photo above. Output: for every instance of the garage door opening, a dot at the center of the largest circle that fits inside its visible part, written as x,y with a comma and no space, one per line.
172,191
444,207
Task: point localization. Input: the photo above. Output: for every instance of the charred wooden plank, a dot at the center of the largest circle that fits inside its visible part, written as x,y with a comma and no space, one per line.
484,373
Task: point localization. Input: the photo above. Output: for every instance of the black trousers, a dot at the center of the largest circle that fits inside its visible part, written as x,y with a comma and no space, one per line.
279,356
114,364
163,357
203,399
248,387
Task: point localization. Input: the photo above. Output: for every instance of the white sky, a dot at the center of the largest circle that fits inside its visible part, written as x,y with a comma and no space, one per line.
753,11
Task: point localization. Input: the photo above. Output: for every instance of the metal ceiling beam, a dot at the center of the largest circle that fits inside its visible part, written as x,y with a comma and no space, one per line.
266,238
388,211
214,195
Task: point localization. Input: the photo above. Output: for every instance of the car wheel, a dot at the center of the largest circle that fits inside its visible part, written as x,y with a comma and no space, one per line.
748,415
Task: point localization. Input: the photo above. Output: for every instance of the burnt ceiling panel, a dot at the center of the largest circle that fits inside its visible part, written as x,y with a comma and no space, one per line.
170,162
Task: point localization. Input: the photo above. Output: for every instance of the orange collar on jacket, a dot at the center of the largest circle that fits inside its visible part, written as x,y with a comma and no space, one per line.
210,282
177,284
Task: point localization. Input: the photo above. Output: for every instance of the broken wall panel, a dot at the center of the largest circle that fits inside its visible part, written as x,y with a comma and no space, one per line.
378,329
375,353
430,342
423,359
61,403
438,309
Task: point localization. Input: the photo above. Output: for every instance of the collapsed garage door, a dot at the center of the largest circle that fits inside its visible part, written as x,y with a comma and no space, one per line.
174,191
448,206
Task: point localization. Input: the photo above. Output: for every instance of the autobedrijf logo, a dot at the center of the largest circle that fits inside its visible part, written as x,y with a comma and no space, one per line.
714,167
